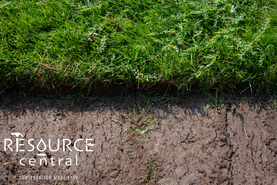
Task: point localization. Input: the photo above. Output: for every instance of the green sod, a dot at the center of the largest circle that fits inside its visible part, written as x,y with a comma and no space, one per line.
215,44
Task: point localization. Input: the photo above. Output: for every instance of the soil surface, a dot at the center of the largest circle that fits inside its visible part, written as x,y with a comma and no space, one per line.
157,140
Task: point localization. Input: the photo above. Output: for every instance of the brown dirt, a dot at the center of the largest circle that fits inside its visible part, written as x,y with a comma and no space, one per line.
234,145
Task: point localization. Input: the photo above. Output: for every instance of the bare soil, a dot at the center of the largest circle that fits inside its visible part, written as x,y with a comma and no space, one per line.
235,144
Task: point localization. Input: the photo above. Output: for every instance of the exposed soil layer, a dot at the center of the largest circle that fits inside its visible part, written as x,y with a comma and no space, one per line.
175,140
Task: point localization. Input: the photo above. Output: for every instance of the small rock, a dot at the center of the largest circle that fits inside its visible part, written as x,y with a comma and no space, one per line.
186,180
180,171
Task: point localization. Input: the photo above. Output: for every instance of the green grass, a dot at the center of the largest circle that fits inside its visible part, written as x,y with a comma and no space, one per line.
215,44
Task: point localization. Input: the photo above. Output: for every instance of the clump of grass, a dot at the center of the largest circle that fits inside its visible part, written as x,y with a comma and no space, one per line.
138,128
273,98
150,174
215,44
144,132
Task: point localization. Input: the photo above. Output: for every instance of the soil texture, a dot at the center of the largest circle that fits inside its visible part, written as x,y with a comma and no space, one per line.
171,140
